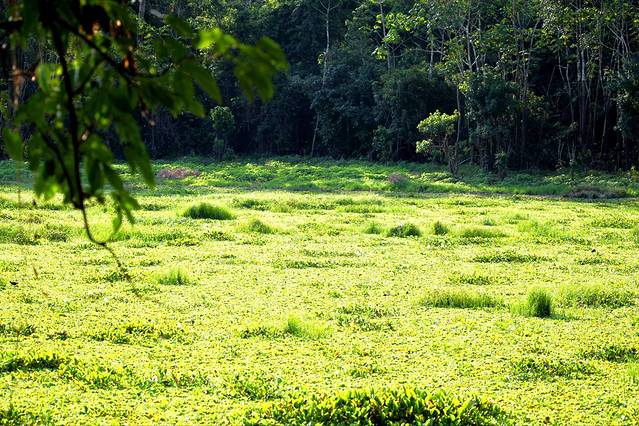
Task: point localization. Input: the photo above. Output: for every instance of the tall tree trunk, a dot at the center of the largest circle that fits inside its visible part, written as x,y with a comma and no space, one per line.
327,16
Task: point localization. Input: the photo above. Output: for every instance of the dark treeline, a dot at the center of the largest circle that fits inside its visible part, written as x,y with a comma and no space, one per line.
519,83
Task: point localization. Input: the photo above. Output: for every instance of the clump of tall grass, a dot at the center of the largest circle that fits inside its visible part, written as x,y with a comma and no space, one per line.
208,211
459,298
404,230
175,277
259,227
373,229
304,328
538,304
440,228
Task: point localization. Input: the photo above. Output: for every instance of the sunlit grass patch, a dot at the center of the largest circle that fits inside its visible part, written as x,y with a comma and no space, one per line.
366,407
306,328
550,368
30,362
263,331
614,221
538,304
632,373
135,330
17,329
208,211
471,279
507,256
365,317
596,295
540,229
16,235
255,386
477,232
14,416
615,352
459,298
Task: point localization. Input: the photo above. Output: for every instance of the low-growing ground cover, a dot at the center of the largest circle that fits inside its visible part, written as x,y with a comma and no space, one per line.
319,292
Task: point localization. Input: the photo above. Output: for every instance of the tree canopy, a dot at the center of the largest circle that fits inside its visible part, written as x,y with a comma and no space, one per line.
83,76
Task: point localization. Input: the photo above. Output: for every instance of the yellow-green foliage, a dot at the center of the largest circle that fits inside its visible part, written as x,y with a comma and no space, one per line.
175,277
538,304
401,406
459,298
82,344
208,211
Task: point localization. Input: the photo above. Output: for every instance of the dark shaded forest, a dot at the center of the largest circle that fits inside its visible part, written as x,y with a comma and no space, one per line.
505,84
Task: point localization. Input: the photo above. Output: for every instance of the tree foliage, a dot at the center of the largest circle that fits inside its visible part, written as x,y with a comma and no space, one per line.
89,84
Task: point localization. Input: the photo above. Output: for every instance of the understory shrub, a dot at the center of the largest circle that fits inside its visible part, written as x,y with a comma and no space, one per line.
208,211
384,407
459,298
538,304
404,230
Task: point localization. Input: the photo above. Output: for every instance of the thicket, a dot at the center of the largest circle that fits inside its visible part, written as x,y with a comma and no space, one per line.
519,83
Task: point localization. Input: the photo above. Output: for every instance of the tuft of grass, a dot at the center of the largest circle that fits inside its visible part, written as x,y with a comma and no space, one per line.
208,211
596,296
307,329
457,298
404,230
440,228
538,304
175,277
373,229
489,221
259,227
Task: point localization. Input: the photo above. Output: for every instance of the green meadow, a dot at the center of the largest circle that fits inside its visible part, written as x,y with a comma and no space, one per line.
255,287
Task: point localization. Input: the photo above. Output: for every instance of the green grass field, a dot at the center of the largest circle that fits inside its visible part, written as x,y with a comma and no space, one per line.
317,278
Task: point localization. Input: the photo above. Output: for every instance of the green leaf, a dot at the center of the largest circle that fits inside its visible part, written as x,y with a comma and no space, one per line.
180,26
204,79
13,144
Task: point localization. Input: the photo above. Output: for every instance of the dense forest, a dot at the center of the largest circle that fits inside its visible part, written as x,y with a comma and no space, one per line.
502,84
